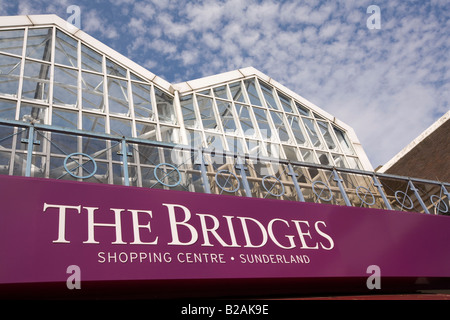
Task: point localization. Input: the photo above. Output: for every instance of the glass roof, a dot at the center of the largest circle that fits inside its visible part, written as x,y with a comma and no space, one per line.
51,77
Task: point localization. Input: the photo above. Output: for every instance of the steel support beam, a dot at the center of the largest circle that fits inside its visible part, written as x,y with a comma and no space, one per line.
379,186
203,170
294,180
341,188
418,197
241,167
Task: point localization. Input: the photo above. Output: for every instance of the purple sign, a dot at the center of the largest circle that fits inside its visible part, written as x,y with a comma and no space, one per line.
128,233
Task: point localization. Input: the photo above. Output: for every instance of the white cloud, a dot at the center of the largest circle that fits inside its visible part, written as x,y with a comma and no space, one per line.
144,9
211,40
25,7
170,27
136,26
189,57
205,16
150,64
5,7
92,21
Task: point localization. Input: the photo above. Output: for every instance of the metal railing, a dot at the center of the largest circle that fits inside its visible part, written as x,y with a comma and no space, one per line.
38,150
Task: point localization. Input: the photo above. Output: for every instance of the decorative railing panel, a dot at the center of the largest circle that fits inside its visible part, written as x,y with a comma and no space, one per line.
38,150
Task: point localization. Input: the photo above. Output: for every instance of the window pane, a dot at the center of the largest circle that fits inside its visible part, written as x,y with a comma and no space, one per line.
31,112
235,145
118,97
323,127
236,92
35,80
64,118
308,156
142,102
339,160
92,86
273,150
268,95
309,124
285,102
65,49
297,130
170,134
353,163
226,116
146,131
207,113
62,144
194,139
90,59
93,123
252,92
214,142
65,90
303,111
243,114
254,147
120,127
221,92
11,41
164,104
323,158
280,126
95,147
7,109
291,153
187,108
9,75
263,123
343,141
39,44
114,69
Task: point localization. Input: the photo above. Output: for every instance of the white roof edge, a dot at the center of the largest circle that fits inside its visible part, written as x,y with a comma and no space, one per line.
415,142
52,19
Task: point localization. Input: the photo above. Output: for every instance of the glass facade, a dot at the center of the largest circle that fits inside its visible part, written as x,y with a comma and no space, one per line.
69,111
250,117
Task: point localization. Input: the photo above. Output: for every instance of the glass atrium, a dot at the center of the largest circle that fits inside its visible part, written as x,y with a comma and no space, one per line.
71,110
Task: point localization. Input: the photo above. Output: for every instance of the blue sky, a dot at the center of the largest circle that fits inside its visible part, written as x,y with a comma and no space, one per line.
389,84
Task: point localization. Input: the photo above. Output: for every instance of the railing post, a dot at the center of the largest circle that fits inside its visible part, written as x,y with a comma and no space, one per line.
416,193
29,150
31,142
341,188
379,186
294,180
444,190
125,162
203,170
241,167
